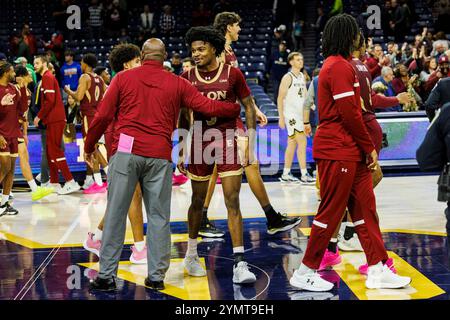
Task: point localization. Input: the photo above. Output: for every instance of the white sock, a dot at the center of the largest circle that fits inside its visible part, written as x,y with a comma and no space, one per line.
350,224
140,245
105,169
286,171
334,240
304,172
98,234
238,249
89,178
33,185
177,172
98,178
304,269
192,248
5,198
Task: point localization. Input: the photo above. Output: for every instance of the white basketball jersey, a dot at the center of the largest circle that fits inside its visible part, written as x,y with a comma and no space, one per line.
295,97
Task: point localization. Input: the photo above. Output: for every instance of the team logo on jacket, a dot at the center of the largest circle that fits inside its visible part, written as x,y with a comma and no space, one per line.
8,99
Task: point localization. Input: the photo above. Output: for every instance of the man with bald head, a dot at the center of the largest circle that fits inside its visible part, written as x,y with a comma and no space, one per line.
145,103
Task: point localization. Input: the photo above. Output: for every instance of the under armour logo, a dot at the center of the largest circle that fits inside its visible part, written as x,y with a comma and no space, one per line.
344,170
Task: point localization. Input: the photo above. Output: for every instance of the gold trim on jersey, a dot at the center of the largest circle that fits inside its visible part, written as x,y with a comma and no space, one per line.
219,72
231,173
198,178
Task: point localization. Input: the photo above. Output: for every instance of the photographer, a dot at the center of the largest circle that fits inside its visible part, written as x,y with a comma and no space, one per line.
434,154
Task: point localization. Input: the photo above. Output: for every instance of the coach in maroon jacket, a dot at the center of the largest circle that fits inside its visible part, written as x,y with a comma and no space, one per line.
145,102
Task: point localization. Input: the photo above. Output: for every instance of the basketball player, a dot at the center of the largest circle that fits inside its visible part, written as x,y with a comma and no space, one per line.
13,101
89,93
23,79
346,238
123,57
291,98
227,23
52,115
219,82
345,156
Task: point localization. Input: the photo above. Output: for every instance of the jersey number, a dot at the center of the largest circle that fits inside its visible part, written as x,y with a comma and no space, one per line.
97,93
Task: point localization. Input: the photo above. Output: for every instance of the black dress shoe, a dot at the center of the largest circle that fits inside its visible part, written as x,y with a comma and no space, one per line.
156,285
106,285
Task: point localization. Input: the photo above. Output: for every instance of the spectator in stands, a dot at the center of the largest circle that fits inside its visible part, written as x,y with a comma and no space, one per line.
402,21
95,19
168,66
387,16
277,67
443,16
103,73
23,62
115,19
440,45
404,83
393,53
70,73
188,63
176,63
72,110
376,61
320,22
60,16
124,37
439,96
201,16
29,39
56,44
280,34
387,75
167,22
297,34
441,72
429,67
147,21
19,48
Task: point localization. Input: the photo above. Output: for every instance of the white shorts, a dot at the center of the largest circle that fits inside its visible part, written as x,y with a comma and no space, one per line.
293,123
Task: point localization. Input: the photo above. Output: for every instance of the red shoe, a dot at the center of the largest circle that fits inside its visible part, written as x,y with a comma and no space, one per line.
179,179
330,259
389,262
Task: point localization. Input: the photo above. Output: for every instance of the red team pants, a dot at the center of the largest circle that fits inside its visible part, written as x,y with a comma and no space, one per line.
345,184
55,155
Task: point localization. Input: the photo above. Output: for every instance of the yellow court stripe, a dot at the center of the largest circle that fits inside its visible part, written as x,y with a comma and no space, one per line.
307,232
175,238
420,288
177,282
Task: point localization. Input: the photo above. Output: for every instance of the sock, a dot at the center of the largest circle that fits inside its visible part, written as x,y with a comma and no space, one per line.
98,178
270,213
140,245
332,245
5,198
204,215
33,185
349,231
304,172
192,248
105,169
286,171
238,253
89,178
304,269
98,234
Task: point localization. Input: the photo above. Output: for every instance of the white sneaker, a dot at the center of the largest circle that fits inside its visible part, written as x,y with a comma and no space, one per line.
310,281
56,186
193,266
38,178
241,274
89,181
69,187
307,179
351,244
381,277
288,178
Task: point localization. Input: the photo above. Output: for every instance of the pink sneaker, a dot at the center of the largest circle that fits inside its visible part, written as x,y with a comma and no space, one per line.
95,188
389,262
105,185
92,245
179,179
330,259
138,257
